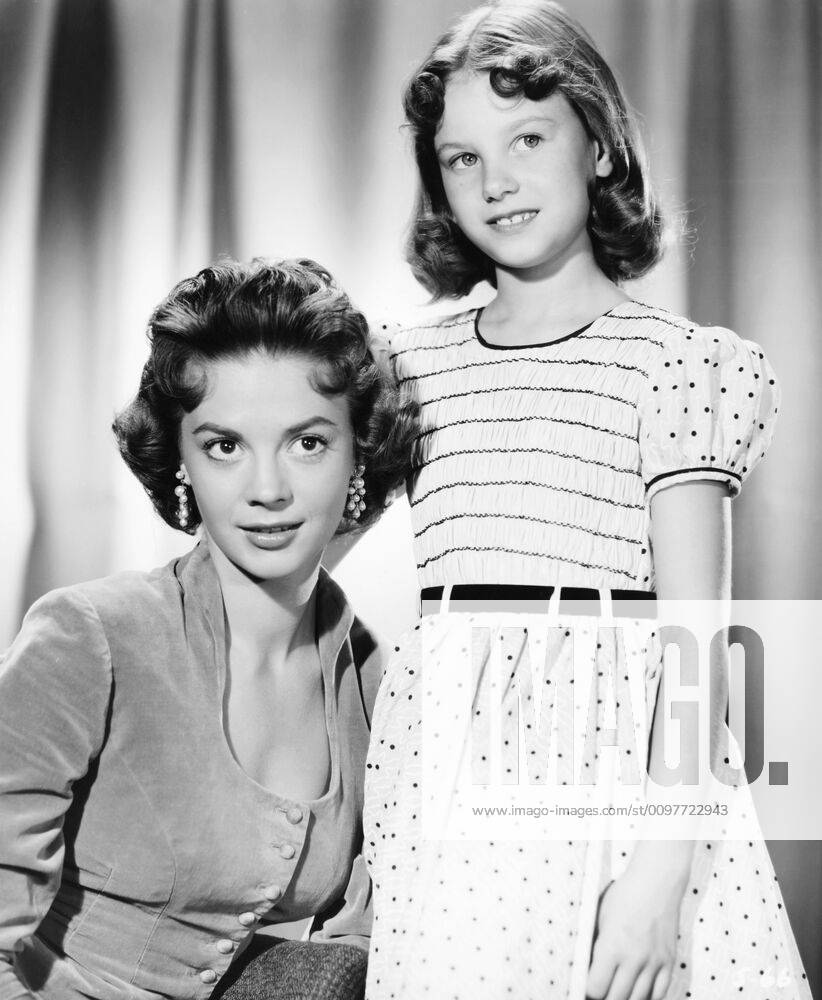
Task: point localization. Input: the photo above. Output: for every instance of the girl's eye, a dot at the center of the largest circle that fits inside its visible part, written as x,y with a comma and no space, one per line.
530,141
462,161
221,449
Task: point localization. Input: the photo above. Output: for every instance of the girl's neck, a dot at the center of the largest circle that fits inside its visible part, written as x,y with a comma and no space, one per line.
551,304
268,620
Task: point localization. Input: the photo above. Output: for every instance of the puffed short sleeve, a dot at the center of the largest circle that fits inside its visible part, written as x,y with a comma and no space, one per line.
708,410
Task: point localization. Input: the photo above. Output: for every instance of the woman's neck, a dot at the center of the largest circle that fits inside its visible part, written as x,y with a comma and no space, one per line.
552,303
268,620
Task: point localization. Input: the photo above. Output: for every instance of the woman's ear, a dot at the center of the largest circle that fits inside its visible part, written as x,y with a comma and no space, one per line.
604,163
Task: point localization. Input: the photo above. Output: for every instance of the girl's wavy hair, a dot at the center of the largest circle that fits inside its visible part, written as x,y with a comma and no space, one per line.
230,309
531,49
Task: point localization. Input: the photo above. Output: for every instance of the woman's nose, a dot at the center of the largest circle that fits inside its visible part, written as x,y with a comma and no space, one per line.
497,182
269,483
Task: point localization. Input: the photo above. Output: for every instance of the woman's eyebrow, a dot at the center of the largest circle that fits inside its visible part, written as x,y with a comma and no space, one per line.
214,429
303,425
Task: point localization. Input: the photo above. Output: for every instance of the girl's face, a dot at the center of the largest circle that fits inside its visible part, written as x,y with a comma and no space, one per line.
269,459
516,174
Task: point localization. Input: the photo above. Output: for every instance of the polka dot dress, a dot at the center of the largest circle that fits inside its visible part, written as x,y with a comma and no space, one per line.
536,465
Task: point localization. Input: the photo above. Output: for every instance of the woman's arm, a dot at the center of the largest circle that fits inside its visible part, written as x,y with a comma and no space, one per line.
639,913
54,691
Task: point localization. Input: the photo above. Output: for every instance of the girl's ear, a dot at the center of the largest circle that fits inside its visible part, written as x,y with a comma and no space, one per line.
604,163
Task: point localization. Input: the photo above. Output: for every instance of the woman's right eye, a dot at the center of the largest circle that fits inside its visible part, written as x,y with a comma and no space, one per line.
221,449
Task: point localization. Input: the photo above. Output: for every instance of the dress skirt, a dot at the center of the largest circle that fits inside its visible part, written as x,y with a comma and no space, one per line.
468,908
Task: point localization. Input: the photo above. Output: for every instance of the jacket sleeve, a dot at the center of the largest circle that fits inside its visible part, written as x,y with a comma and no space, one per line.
55,683
351,924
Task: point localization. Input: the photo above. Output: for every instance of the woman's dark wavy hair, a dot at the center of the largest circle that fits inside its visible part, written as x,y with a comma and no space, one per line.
230,309
533,49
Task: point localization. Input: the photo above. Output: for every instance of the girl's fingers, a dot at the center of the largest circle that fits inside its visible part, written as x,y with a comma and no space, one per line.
600,974
661,983
623,983
643,987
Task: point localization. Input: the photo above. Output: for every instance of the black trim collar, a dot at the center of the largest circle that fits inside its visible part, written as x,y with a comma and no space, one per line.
546,343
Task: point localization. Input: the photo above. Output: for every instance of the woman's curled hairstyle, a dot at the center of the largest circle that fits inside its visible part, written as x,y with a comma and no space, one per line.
529,48
291,307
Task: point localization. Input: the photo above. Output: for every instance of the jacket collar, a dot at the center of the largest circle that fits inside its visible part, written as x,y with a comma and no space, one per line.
200,585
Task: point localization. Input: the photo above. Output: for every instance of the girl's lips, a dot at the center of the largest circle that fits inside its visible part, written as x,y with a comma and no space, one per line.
512,221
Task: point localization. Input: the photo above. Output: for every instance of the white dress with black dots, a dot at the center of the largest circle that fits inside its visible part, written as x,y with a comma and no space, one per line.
536,465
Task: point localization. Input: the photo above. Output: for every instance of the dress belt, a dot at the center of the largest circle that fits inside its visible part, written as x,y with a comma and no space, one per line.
466,597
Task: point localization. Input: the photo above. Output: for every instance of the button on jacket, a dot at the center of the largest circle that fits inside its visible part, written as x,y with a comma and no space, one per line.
135,853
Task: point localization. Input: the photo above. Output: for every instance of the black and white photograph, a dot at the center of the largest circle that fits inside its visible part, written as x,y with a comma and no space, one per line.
409,517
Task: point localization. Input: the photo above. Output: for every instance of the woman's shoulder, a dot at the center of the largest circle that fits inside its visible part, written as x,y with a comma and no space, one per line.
125,600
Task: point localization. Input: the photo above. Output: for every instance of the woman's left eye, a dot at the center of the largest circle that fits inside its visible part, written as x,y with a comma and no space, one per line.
529,141
311,444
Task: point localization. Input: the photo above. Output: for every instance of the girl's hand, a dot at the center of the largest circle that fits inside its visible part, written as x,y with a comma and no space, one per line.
635,941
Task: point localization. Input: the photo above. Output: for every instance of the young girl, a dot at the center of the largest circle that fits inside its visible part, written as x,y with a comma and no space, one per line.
576,443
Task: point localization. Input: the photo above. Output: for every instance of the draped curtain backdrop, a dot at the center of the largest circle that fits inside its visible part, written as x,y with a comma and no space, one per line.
140,140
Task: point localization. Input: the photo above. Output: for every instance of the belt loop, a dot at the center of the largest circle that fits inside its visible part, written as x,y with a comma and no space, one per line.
606,610
553,601
445,600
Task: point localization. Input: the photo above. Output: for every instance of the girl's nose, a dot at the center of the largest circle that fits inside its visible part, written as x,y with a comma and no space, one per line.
269,484
498,182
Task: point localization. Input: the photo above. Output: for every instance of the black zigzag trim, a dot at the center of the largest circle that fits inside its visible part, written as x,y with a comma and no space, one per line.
527,517
529,388
522,552
612,337
531,361
433,347
520,420
524,451
658,319
526,482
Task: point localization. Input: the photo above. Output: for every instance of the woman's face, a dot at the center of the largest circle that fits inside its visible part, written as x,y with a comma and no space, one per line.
269,459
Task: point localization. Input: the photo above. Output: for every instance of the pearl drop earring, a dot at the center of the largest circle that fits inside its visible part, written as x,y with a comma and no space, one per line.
182,496
356,493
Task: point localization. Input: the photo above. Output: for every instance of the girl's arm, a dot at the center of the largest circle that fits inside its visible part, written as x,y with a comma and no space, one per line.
54,689
634,952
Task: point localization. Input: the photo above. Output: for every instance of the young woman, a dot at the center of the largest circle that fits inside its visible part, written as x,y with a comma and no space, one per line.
183,750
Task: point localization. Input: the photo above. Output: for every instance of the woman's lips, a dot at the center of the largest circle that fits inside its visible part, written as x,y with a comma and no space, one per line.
274,536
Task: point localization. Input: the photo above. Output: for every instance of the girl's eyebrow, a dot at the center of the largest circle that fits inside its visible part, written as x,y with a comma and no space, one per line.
450,145
512,127
543,119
